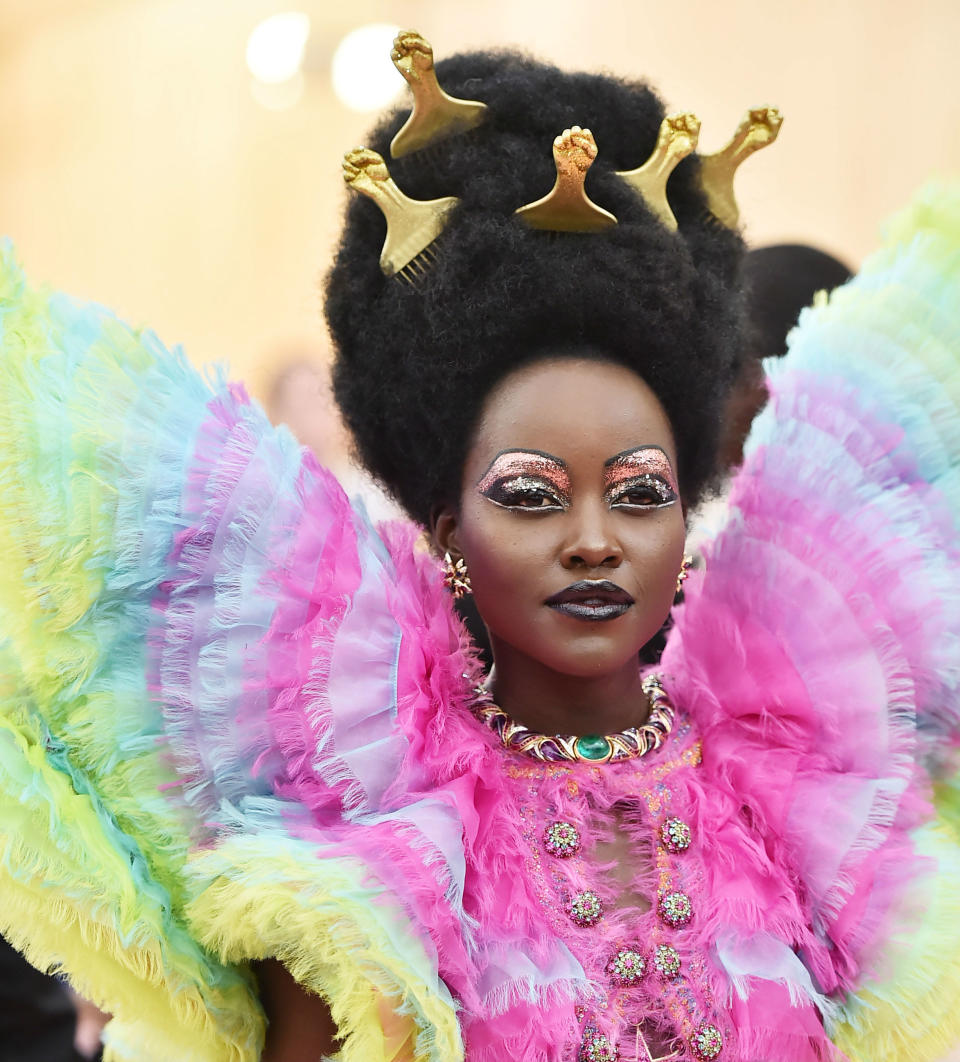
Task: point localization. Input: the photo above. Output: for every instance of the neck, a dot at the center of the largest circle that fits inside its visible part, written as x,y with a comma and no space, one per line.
553,703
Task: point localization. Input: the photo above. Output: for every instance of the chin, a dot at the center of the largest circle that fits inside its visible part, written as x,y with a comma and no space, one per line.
582,650
590,657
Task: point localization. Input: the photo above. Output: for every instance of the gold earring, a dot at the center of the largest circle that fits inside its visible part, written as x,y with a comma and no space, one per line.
684,572
456,578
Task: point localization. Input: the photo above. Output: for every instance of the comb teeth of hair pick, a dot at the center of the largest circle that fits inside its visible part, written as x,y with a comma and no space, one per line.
418,267
412,224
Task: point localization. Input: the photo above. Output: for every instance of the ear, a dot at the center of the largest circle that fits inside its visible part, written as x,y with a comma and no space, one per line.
444,531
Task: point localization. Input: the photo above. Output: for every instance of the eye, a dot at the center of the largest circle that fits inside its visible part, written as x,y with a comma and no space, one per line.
524,492
643,492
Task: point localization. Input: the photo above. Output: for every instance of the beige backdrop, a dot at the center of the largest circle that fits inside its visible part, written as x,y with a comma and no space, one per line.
137,168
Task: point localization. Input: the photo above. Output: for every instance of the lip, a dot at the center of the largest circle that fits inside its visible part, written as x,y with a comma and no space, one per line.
594,600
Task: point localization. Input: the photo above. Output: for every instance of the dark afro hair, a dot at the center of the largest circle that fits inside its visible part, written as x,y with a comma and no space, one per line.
415,363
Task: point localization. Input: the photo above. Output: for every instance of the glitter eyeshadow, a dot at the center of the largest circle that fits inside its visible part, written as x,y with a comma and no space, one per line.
633,464
521,484
524,466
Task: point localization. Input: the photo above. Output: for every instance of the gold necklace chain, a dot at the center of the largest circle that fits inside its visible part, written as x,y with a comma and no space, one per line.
586,748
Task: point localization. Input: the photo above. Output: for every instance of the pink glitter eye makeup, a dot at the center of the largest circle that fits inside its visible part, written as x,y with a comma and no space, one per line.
526,479
641,479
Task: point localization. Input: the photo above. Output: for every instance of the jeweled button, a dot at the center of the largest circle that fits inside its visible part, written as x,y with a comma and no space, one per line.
561,839
706,1043
627,967
675,909
592,747
596,1047
675,836
666,960
586,908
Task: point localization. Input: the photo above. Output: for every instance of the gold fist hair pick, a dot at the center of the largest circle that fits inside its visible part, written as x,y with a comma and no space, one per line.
435,115
412,224
567,207
758,129
677,138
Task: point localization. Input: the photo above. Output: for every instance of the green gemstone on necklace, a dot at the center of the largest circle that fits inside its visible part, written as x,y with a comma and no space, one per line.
592,747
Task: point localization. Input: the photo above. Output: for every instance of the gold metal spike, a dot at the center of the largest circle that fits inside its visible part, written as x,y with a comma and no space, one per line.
677,138
435,115
412,224
758,129
567,207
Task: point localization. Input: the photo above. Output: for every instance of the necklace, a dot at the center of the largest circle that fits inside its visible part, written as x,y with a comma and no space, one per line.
587,748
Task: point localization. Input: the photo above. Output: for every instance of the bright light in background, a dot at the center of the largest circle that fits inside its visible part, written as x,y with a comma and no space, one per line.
275,47
364,79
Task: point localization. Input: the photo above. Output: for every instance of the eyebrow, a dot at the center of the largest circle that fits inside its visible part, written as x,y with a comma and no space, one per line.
632,451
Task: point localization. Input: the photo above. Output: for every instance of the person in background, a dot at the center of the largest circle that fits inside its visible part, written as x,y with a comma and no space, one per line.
41,1020
779,281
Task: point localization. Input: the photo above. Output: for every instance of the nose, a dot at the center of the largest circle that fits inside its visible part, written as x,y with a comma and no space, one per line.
591,541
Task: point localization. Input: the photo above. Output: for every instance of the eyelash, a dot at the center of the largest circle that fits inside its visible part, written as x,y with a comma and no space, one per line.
512,492
652,486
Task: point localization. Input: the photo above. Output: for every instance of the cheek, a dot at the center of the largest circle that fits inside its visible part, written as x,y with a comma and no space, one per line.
508,559
657,558
500,550
671,544
677,547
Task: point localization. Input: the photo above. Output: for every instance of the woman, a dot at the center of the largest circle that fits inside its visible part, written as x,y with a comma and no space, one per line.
243,726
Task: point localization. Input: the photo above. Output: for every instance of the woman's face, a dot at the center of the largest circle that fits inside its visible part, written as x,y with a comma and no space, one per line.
570,519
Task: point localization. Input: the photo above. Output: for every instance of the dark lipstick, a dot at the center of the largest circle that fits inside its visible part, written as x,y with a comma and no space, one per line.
591,599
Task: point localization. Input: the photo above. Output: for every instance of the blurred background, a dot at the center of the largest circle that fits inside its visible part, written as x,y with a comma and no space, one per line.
179,160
